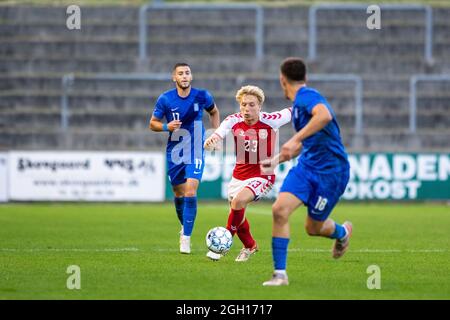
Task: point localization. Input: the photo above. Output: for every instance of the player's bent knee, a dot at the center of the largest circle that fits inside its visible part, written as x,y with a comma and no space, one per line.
238,203
312,230
280,213
190,194
178,192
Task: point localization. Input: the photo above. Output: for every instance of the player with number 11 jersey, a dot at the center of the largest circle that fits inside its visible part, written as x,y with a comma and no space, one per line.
183,109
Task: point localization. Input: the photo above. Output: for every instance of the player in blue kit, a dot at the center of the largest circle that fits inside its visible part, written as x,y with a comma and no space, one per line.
319,178
183,109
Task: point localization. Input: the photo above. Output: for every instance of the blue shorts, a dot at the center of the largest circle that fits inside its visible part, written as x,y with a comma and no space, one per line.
178,173
319,192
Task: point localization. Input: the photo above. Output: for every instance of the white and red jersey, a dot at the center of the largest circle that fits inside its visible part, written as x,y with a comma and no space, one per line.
253,143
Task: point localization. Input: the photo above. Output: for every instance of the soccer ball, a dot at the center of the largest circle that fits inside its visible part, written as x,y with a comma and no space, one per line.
219,240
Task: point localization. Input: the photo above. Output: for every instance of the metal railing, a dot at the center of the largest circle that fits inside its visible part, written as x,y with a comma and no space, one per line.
428,50
358,93
259,21
413,95
69,79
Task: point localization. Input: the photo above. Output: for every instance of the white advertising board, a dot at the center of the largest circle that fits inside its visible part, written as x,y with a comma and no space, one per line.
3,177
86,176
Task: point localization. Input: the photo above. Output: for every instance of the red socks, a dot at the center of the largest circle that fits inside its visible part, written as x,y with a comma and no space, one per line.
245,235
235,219
235,224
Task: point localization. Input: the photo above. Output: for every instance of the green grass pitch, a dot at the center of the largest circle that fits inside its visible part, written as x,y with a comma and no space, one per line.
130,251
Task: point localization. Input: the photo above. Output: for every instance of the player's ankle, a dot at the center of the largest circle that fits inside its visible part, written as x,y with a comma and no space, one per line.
281,272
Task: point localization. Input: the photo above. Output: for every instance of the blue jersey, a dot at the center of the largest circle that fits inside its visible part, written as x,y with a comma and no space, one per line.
323,152
189,111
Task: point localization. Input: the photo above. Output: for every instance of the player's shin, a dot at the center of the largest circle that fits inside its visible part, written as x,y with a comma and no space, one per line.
235,219
279,253
189,214
245,235
179,207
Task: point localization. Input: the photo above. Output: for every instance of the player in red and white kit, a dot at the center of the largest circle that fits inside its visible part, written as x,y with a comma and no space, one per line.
255,135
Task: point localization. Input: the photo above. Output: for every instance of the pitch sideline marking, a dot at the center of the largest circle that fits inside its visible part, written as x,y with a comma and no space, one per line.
69,250
312,250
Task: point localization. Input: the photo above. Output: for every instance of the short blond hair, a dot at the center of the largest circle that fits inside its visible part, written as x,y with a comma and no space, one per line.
252,90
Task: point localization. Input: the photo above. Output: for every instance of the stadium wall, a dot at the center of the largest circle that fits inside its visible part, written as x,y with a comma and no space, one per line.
141,177
83,176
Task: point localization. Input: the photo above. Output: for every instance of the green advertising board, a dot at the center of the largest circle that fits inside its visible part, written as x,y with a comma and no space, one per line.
374,176
399,176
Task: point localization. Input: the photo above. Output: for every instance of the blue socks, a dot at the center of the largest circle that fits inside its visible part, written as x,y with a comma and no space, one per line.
339,232
179,206
279,252
189,214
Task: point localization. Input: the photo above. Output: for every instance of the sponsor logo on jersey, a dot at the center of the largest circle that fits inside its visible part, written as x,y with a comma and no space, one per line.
263,134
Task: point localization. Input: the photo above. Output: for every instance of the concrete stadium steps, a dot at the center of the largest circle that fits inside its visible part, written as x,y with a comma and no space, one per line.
155,30
371,49
37,13
357,63
107,64
103,119
50,28
139,119
55,63
123,47
424,140
53,82
63,65
29,140
110,114
117,100
81,139
213,82
120,139
128,100
390,30
34,48
95,109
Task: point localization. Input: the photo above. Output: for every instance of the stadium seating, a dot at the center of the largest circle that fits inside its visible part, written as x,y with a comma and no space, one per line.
37,50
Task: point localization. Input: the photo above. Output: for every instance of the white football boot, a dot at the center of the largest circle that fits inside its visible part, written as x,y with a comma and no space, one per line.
340,246
245,253
213,256
278,279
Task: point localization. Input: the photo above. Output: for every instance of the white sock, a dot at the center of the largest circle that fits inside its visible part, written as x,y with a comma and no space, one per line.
346,233
281,272
186,237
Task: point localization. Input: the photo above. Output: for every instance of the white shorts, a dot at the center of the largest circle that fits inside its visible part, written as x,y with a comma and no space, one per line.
259,186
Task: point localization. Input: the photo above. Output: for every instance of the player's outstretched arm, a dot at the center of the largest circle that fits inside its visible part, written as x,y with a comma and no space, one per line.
157,125
289,150
320,118
278,119
212,143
